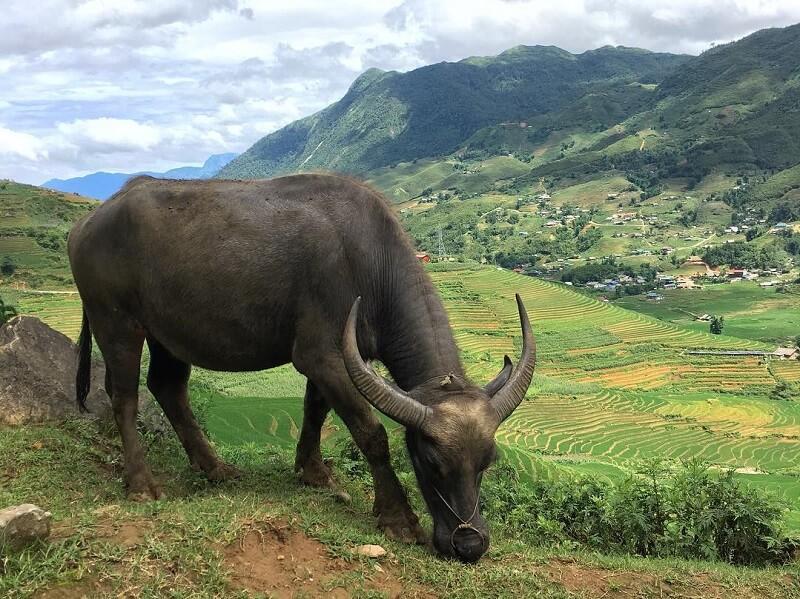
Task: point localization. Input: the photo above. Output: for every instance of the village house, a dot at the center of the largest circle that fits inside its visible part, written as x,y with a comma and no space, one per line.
685,283
787,353
423,257
778,227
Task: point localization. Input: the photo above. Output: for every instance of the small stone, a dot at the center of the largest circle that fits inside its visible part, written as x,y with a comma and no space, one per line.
370,551
23,524
377,568
281,558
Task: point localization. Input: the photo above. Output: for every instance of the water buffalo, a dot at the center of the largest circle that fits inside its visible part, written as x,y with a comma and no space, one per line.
309,269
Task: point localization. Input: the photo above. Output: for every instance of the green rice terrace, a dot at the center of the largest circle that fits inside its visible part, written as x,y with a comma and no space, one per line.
613,387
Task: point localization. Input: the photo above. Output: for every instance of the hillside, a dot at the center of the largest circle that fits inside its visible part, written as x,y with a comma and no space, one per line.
33,234
102,186
390,117
613,389
545,161
735,104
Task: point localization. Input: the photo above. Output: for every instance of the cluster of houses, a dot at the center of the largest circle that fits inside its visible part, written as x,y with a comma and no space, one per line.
612,284
675,282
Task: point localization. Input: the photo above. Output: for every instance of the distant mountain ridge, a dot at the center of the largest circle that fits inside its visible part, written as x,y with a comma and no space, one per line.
103,185
735,107
389,117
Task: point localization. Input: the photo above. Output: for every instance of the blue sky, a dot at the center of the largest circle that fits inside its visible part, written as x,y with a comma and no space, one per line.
126,85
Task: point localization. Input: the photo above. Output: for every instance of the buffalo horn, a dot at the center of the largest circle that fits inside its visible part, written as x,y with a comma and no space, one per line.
391,401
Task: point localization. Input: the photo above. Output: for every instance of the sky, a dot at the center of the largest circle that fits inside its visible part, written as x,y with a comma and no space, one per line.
129,85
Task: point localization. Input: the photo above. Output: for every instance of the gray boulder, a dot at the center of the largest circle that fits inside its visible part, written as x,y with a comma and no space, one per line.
23,524
37,374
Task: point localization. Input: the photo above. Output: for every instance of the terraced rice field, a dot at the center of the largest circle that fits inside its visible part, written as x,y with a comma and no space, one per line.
61,311
612,386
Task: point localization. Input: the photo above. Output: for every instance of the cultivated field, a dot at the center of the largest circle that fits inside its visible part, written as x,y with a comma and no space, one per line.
613,386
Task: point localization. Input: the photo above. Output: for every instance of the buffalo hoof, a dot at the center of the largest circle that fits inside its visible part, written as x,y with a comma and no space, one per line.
320,477
146,492
222,472
404,531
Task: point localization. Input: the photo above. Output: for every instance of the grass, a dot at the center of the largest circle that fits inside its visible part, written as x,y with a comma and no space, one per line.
750,311
25,211
186,545
613,387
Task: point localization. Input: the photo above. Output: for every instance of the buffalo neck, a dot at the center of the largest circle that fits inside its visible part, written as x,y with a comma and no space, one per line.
415,340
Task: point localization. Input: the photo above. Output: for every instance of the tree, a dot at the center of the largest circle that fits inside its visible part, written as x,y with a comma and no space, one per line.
7,312
782,212
717,322
8,266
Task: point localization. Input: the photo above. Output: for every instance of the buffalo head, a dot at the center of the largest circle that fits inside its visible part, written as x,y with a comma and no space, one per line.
450,427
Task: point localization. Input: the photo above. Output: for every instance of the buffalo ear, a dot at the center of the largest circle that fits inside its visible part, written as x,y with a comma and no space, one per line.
501,379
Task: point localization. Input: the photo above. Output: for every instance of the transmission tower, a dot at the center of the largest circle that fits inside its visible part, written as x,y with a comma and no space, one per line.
442,254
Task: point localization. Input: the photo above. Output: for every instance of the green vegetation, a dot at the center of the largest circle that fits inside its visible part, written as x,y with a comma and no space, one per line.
33,233
742,255
7,311
218,540
388,118
750,311
716,325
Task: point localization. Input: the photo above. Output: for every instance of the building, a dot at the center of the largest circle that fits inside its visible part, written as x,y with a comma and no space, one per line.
423,257
787,353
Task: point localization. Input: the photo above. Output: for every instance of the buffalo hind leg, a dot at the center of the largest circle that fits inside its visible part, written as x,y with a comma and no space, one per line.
395,516
121,341
167,379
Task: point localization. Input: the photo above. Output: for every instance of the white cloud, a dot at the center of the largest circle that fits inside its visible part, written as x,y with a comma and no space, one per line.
109,135
23,145
150,84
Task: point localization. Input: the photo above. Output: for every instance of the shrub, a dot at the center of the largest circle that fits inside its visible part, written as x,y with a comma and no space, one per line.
716,325
7,312
690,511
8,266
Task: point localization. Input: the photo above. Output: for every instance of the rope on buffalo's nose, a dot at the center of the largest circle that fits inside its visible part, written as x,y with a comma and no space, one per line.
465,524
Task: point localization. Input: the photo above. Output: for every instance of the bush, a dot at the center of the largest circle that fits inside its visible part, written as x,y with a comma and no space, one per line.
690,511
7,312
8,266
716,325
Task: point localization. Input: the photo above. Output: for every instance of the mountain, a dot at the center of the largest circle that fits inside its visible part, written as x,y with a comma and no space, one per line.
655,117
103,185
390,117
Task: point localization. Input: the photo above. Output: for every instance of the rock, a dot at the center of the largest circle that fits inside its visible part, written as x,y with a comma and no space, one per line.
37,374
37,379
370,551
22,525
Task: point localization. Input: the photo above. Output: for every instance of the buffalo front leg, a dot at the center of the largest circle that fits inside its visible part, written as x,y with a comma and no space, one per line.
167,379
395,516
308,460
121,343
